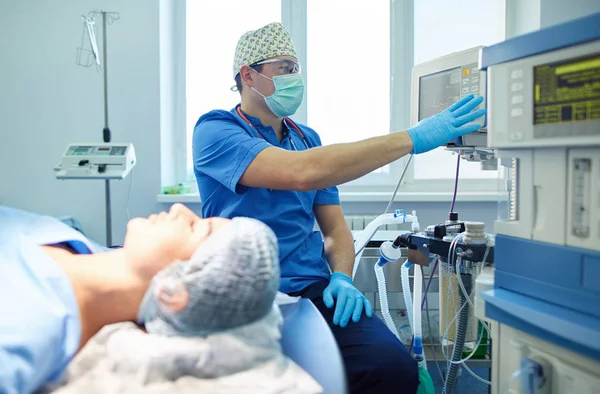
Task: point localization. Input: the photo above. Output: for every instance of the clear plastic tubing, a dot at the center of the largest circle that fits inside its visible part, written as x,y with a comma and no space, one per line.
418,284
389,252
406,291
385,308
418,337
363,237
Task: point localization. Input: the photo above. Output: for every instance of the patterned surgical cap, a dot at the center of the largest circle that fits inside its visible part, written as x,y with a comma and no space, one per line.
267,42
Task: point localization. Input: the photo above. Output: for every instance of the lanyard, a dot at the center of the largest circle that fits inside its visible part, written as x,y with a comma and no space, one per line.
288,122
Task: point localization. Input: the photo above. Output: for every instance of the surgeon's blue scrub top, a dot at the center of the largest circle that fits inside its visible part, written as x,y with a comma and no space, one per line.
224,145
40,329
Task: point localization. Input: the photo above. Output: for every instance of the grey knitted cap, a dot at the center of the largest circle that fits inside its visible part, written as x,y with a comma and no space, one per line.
230,281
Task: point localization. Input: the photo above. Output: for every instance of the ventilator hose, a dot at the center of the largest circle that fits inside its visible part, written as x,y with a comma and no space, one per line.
459,344
408,302
385,309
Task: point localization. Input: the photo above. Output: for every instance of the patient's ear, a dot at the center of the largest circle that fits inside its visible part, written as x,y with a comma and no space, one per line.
172,296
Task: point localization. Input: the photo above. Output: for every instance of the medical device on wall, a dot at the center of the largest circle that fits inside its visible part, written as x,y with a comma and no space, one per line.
96,161
439,83
544,123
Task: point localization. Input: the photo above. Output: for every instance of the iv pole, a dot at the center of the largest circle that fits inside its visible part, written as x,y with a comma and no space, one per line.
106,131
106,134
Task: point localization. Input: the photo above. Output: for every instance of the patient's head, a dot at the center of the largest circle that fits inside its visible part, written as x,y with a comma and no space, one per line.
230,281
153,243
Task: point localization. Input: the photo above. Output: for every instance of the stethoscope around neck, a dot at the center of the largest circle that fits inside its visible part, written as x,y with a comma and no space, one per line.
288,122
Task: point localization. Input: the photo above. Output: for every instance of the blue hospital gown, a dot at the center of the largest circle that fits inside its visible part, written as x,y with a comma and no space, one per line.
39,328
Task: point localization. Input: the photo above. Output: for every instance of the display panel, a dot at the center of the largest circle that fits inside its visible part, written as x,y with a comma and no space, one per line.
438,91
567,91
97,150
118,151
78,150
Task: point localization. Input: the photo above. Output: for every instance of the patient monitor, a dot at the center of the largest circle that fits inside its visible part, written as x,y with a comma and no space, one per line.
96,161
439,83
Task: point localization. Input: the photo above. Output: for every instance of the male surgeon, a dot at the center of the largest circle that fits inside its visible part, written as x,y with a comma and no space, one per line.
254,161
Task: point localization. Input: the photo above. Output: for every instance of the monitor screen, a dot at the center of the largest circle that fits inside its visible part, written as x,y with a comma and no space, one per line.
118,151
438,91
567,92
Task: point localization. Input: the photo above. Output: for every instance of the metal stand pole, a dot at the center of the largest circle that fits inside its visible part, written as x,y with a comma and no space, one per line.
108,213
106,130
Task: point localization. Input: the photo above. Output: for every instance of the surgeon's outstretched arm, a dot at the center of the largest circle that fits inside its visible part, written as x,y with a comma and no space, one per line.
327,166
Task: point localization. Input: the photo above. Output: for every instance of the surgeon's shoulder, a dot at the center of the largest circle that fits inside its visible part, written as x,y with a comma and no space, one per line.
215,120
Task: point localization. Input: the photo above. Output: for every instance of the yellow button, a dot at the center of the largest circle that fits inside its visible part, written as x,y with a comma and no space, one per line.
466,72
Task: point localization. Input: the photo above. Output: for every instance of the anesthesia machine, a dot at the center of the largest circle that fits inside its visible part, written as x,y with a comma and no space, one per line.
544,122
534,287
462,250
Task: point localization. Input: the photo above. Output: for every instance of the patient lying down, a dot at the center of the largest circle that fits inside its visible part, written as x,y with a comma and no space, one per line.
205,325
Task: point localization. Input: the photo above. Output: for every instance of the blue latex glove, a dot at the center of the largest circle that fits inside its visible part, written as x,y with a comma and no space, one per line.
443,127
349,301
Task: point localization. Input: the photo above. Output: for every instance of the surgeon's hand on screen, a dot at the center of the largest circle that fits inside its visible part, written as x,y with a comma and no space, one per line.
349,302
443,127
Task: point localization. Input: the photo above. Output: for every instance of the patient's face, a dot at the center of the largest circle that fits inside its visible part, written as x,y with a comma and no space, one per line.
230,281
155,242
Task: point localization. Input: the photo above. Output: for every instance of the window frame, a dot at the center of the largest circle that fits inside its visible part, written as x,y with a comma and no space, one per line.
294,17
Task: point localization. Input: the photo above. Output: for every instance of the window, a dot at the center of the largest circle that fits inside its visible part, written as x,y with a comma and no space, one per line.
357,59
443,27
213,29
348,72
349,69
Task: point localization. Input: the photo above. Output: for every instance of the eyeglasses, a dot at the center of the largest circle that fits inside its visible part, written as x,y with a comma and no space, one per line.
282,66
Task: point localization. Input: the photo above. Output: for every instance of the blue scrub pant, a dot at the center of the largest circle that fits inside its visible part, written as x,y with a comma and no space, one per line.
375,360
